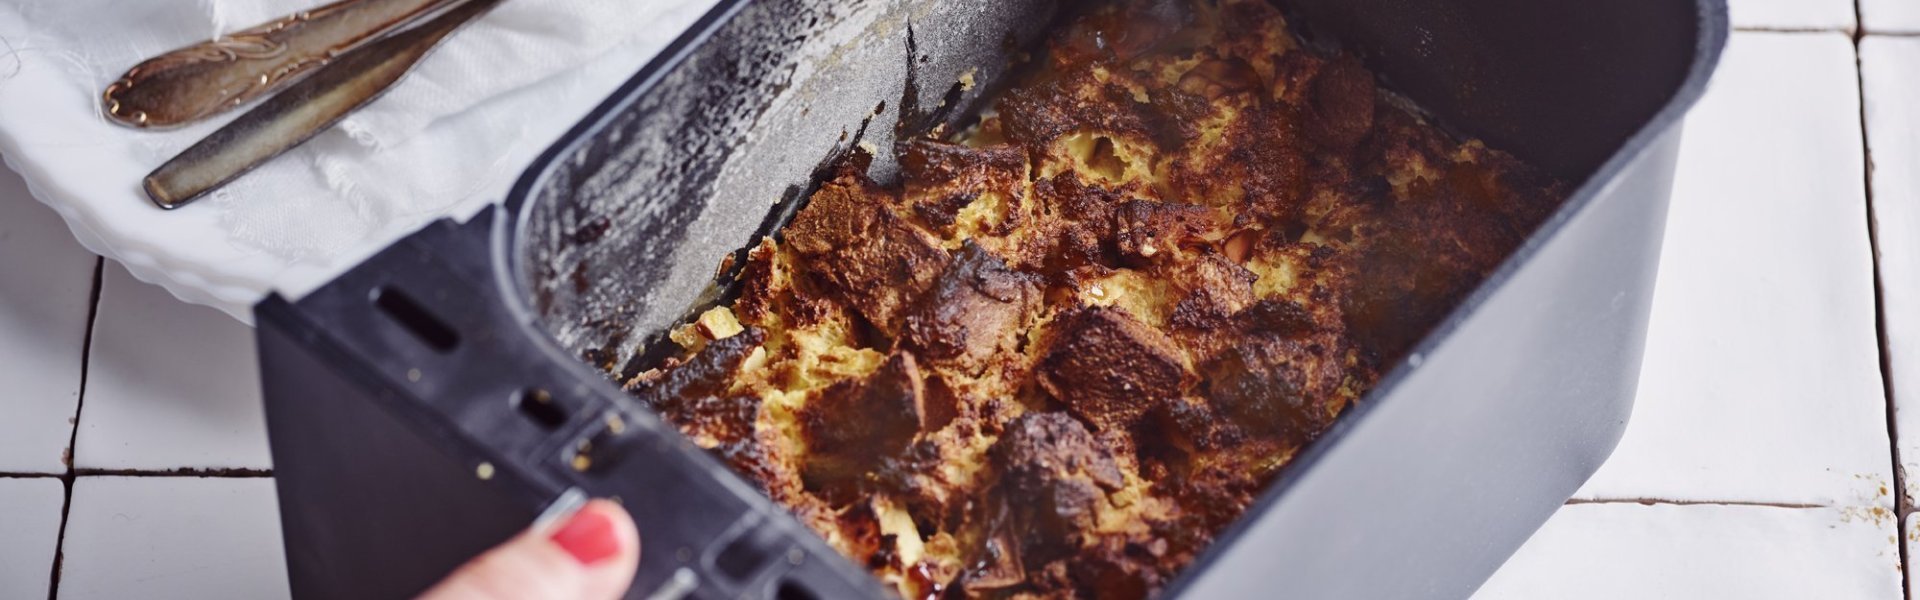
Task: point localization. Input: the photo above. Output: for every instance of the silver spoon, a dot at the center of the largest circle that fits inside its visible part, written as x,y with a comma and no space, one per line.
208,78
304,110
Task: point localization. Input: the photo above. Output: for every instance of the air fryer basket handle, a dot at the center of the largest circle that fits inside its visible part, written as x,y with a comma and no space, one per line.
521,418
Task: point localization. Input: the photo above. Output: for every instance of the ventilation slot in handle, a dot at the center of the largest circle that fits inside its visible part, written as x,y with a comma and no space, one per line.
745,555
792,590
429,329
538,406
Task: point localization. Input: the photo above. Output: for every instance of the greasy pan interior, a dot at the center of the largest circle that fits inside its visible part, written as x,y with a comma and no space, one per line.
619,234
618,230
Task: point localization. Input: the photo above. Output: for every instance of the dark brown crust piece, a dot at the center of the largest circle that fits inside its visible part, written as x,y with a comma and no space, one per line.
1035,116
975,311
1277,387
1075,224
1054,478
1216,289
861,252
941,179
704,374
1340,104
1146,229
764,298
1109,368
852,427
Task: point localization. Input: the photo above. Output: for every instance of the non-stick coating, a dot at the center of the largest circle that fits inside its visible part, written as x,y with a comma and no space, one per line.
1424,487
623,232
622,235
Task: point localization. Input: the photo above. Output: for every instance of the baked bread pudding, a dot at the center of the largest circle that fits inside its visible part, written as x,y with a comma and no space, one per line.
1076,340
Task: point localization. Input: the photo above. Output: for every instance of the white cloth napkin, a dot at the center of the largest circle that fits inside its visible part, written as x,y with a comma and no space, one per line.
448,139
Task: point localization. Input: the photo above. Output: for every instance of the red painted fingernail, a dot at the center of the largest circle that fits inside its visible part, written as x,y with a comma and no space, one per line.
588,536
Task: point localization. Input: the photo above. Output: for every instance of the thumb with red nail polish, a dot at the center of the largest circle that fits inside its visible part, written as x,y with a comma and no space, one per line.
591,555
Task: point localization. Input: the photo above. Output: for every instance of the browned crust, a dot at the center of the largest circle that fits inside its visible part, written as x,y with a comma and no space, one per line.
853,427
977,310
869,259
1109,368
1062,354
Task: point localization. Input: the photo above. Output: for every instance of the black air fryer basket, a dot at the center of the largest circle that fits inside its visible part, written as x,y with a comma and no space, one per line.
435,399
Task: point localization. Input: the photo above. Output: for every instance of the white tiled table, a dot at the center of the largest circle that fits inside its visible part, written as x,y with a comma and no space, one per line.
1760,462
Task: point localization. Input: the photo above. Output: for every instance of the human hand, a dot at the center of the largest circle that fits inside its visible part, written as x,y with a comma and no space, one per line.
590,556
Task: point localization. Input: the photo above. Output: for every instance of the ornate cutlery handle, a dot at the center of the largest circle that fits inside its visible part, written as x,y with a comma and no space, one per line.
205,79
304,110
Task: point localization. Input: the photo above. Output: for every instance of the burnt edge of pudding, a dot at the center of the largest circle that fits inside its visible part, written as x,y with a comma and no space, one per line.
1076,340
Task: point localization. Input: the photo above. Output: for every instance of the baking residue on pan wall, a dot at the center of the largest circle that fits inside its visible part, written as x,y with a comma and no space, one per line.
1077,340
736,131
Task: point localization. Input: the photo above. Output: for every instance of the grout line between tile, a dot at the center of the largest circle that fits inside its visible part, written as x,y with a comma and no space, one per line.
1856,32
31,475
66,479
1670,502
1775,29
1902,504
1852,32
180,472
